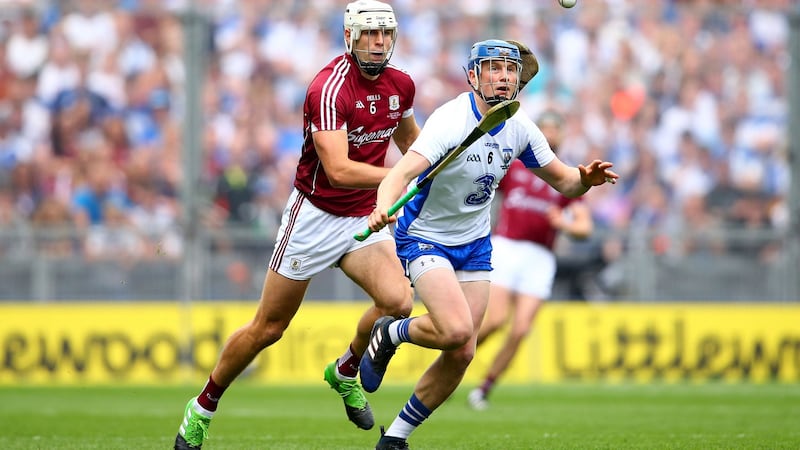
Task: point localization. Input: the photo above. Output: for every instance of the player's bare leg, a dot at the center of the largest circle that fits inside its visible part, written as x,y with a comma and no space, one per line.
377,270
445,374
521,323
280,299
452,325
525,309
497,312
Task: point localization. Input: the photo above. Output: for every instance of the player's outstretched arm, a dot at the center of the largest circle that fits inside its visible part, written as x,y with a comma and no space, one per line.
575,181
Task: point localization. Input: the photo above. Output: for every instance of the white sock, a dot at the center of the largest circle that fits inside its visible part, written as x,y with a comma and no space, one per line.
202,411
394,336
398,331
400,428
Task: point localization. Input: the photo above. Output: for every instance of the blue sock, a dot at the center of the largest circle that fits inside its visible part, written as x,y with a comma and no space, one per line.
411,416
398,331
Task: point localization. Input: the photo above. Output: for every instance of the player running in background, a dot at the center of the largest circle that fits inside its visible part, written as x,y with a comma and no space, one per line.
352,109
530,217
443,234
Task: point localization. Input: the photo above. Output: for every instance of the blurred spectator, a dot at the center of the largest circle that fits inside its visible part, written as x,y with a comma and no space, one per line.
60,72
147,116
235,192
34,116
155,218
688,98
78,110
15,148
89,26
13,225
114,239
55,228
27,48
134,54
26,192
100,187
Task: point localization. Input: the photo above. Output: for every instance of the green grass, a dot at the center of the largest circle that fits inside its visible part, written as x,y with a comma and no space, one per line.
563,416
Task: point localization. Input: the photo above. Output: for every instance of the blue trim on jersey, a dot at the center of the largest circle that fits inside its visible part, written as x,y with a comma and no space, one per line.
412,209
528,157
479,116
474,256
497,129
474,105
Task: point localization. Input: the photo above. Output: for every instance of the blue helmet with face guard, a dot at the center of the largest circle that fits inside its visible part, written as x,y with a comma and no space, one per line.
493,49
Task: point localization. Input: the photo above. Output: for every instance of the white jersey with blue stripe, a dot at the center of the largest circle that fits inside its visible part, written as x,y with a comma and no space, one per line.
454,208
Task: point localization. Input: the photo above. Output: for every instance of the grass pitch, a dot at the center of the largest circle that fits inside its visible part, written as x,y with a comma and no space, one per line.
563,416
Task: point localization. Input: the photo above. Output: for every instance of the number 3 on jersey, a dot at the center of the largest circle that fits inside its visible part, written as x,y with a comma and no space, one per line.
483,192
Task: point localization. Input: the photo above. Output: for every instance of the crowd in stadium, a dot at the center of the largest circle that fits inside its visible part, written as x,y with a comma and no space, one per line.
687,98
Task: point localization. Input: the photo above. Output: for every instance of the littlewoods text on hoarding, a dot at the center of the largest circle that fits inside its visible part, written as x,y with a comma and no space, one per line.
145,343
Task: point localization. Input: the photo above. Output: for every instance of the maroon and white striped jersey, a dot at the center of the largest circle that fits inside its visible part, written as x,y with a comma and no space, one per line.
369,110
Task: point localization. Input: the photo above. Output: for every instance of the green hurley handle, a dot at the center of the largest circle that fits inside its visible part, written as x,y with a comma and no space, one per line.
392,211
496,115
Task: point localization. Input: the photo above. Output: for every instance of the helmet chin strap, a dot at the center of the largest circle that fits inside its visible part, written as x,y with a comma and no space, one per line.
371,68
491,101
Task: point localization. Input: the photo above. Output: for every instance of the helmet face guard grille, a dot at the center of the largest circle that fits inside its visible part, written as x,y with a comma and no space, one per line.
369,15
364,61
493,50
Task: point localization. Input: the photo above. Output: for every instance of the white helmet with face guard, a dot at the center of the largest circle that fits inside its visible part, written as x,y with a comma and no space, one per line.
369,15
493,50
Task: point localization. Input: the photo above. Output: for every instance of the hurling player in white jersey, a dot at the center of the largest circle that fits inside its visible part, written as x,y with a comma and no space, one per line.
443,234
530,217
354,106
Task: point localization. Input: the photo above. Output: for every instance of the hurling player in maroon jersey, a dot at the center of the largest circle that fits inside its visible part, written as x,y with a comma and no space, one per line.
529,219
354,106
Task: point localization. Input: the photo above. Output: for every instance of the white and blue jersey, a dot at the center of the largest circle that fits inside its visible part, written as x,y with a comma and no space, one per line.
454,208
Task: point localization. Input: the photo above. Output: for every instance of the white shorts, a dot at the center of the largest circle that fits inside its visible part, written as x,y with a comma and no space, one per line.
311,240
419,266
523,266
